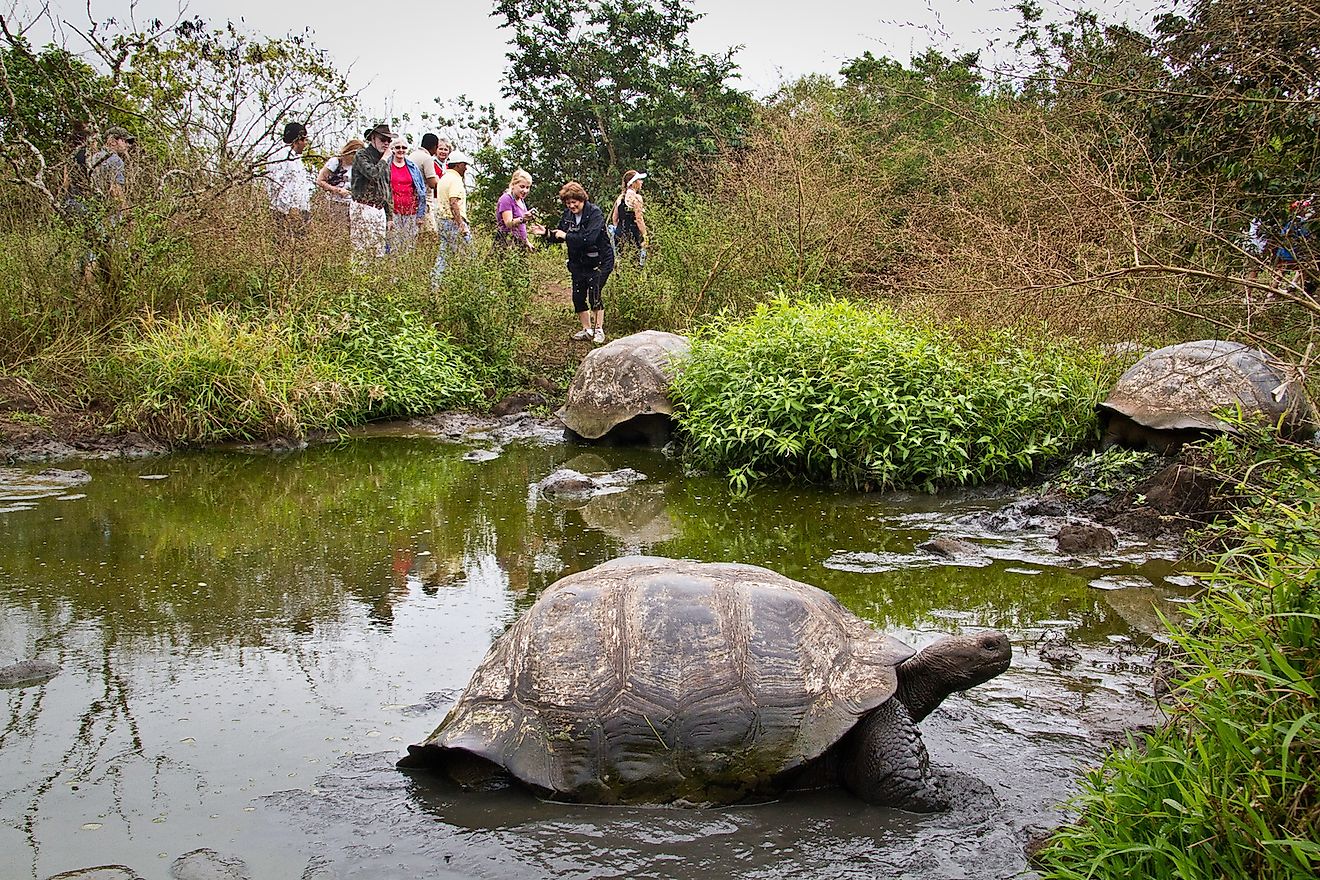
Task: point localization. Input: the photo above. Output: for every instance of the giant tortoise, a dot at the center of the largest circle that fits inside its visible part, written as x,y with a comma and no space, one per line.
620,393
1172,395
650,680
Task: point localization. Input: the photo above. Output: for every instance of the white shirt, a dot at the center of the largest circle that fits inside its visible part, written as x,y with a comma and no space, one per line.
290,185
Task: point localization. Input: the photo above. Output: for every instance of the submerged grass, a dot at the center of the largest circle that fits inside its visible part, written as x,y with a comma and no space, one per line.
851,393
1231,786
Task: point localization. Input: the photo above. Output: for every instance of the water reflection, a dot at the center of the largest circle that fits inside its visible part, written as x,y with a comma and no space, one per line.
251,625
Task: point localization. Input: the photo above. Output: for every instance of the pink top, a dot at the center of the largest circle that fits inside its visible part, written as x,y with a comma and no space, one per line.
401,182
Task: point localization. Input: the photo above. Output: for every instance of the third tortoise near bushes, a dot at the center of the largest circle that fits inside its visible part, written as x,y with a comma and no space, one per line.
1173,395
651,680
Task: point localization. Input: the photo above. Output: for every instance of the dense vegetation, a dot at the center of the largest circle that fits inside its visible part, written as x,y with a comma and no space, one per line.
1228,788
859,395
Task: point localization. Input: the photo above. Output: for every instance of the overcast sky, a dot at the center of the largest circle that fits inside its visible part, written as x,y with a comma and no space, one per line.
446,53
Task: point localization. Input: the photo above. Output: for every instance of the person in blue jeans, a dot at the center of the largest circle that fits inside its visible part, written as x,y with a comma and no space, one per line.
451,208
1295,245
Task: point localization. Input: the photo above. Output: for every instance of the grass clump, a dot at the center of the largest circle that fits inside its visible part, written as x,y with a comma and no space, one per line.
219,375
855,394
1231,786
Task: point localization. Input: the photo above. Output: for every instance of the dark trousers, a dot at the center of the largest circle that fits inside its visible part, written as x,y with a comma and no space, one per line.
587,286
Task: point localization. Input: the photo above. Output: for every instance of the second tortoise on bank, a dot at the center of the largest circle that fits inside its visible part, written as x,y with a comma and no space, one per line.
650,680
620,393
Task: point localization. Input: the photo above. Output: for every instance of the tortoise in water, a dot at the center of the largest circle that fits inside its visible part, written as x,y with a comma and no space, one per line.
1171,395
649,680
621,391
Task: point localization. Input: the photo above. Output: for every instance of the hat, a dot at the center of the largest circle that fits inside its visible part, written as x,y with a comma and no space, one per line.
458,157
294,131
382,129
633,178
118,131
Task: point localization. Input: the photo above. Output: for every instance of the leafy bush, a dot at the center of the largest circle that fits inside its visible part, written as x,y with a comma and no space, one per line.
405,365
855,394
1229,787
482,299
218,375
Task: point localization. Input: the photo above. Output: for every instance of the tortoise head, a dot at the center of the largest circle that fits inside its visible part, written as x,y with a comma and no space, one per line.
954,663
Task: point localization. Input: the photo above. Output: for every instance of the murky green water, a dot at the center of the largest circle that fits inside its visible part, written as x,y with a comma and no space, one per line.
249,642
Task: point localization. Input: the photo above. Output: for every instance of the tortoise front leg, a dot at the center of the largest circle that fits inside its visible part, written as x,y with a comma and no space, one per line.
884,762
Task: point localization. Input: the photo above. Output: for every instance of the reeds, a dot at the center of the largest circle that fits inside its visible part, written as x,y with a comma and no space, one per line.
1231,786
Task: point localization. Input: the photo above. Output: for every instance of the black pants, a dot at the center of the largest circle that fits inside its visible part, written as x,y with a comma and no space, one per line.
587,286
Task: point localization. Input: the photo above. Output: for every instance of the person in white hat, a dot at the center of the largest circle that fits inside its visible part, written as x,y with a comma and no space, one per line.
626,219
451,212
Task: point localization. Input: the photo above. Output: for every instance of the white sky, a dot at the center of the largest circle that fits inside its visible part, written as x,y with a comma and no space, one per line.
453,47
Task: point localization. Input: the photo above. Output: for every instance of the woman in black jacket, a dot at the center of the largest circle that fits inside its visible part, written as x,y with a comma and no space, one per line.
590,258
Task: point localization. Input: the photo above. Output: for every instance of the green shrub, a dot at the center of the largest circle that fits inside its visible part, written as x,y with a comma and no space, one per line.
218,375
406,366
855,394
482,300
1231,786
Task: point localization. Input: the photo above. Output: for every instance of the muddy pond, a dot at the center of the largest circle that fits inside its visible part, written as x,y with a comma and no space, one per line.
248,641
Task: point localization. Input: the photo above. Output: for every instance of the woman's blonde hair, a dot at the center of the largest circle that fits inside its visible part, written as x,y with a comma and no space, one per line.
350,150
518,175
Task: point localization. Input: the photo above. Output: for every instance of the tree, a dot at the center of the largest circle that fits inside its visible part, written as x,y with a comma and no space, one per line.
1243,96
49,97
604,85
225,95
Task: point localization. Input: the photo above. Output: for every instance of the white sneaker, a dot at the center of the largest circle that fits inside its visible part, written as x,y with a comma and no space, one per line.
582,335
600,336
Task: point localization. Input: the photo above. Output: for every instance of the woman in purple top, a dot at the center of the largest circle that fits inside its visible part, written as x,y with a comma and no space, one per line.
512,218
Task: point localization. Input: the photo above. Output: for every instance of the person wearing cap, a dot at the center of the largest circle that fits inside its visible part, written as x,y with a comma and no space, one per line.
371,215
626,218
590,258
290,184
451,212
407,197
107,173
424,158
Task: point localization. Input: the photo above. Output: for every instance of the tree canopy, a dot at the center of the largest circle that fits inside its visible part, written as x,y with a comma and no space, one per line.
605,85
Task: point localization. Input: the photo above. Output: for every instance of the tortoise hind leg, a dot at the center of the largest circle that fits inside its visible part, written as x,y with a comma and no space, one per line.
884,762
458,765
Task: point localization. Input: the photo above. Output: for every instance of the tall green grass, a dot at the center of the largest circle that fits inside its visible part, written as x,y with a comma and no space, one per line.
858,395
220,374
1231,786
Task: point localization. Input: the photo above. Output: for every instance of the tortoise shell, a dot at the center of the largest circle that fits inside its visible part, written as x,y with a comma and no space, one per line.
626,378
650,680
1179,387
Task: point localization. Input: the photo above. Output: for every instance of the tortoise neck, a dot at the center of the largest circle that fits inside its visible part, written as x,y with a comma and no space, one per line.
918,689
